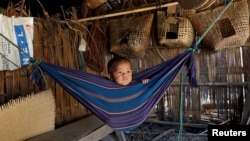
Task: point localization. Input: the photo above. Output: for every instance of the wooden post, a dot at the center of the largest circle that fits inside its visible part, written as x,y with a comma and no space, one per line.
246,108
196,105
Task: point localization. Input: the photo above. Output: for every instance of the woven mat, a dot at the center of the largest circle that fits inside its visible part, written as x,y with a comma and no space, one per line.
26,117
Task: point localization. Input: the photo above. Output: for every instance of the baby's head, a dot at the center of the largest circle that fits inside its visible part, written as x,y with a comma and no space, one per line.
120,71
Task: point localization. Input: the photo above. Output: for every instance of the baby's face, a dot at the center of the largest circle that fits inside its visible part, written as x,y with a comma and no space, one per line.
122,73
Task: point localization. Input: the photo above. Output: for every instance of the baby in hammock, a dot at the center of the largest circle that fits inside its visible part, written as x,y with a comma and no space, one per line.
120,71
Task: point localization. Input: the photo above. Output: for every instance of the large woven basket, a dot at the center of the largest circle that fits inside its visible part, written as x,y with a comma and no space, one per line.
130,36
175,31
231,30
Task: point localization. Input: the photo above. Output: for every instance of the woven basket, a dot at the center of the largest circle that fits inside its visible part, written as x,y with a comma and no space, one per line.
175,31
231,30
130,36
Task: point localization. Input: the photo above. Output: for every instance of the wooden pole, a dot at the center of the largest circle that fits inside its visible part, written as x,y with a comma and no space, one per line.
246,109
128,12
223,84
193,125
163,134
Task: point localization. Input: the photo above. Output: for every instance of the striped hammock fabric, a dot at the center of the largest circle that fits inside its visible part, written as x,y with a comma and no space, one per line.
121,107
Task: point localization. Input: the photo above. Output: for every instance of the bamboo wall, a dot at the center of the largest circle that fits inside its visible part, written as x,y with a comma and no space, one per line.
222,78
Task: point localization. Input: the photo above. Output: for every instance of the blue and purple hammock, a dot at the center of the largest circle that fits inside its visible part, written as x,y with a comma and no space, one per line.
121,107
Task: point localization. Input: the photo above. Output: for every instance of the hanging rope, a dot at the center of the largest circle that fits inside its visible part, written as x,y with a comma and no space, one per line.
14,46
195,49
181,108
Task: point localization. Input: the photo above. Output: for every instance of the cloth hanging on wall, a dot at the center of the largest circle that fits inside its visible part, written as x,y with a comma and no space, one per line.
121,107
18,30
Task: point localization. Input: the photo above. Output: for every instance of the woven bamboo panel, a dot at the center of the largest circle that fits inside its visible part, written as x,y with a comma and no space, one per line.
53,48
221,67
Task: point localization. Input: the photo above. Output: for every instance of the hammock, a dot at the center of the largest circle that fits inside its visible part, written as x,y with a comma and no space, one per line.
121,107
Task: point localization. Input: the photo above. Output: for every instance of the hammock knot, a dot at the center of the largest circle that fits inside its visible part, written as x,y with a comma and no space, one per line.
37,74
35,61
194,49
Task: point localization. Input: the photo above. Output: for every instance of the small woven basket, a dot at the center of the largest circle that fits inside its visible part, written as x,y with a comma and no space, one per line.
231,30
175,31
130,36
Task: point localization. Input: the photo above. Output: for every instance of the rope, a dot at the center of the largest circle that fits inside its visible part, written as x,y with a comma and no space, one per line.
14,46
8,59
181,107
36,64
195,49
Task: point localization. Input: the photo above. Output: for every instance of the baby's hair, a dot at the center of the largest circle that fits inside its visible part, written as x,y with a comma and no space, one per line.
112,62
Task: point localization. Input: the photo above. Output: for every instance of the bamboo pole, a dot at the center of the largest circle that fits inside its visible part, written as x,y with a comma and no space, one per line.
128,12
193,125
163,134
243,84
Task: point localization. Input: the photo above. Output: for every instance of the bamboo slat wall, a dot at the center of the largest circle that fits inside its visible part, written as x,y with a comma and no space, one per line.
221,84
220,75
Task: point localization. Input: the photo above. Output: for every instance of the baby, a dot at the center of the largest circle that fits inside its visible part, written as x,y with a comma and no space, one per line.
120,71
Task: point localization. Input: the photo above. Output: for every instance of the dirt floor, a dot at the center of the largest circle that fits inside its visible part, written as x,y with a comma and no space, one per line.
158,132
